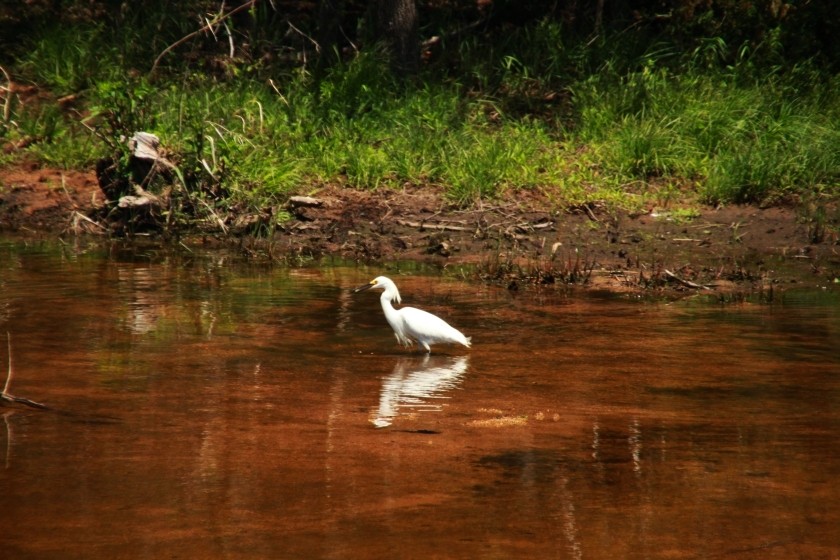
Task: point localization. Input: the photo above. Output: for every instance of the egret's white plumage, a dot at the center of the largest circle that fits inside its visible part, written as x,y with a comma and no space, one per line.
411,324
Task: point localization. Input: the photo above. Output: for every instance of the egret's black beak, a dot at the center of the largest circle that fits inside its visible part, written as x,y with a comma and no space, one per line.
364,287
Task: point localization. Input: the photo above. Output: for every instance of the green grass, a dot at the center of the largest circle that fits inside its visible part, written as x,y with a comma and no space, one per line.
578,123
740,142
69,59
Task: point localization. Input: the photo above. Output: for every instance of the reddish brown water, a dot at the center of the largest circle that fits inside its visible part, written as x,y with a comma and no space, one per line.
202,409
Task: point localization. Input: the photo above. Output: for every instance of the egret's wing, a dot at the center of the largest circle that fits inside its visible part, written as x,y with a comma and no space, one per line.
422,325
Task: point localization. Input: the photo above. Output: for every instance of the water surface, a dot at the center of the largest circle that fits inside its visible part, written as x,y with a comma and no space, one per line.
202,407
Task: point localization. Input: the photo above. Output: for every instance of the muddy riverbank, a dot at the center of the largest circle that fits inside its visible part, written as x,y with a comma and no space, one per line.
516,241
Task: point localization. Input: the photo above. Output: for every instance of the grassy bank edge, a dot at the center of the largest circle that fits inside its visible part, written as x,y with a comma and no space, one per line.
628,134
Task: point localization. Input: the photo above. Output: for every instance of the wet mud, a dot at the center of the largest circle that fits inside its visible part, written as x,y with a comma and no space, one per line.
517,241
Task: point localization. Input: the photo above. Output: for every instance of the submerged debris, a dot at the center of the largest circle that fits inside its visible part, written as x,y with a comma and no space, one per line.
8,397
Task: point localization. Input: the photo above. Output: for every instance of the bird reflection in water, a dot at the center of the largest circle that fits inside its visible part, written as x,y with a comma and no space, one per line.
418,384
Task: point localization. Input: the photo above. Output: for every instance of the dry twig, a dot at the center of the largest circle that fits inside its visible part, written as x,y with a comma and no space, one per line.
7,104
5,395
208,26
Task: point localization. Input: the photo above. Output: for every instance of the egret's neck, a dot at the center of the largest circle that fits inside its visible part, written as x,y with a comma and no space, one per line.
391,314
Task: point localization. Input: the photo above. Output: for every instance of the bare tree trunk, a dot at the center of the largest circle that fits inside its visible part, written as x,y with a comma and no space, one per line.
330,14
599,16
398,25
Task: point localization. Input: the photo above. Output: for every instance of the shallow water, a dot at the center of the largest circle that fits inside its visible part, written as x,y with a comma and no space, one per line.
205,408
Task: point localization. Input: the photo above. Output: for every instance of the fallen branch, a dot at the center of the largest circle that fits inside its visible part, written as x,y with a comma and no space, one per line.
422,225
527,227
5,395
305,202
11,398
684,282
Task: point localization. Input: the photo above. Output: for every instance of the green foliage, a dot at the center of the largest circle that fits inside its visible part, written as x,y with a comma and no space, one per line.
481,163
69,149
743,140
615,118
124,106
68,59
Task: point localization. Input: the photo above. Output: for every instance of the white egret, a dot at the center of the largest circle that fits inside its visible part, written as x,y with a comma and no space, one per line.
411,324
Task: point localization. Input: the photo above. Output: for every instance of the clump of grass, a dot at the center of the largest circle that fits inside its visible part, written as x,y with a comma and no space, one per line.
482,162
560,267
789,149
741,140
53,137
68,59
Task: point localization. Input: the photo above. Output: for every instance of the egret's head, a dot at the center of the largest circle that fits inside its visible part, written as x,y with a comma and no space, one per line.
381,283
